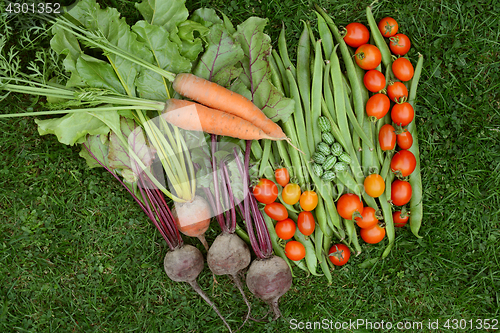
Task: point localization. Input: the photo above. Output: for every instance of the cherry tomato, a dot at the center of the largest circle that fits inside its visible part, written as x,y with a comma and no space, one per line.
374,80
404,140
339,254
398,220
368,56
387,137
402,114
291,194
373,234
356,35
265,191
276,211
396,91
378,105
348,204
295,250
400,192
367,219
374,185
285,229
403,161
400,44
402,69
282,176
388,26
306,223
308,200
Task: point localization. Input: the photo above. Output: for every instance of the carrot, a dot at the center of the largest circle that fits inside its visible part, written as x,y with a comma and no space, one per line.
196,117
215,96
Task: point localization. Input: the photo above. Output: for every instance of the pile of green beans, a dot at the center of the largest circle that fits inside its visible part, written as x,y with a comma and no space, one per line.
319,88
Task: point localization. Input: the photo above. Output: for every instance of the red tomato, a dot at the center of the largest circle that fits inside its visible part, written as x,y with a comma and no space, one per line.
308,200
348,204
285,229
387,137
400,44
291,194
306,223
400,192
388,26
402,114
374,80
378,105
374,185
367,219
396,91
282,176
265,191
372,235
295,251
356,35
368,56
404,140
398,220
276,211
403,161
339,254
402,69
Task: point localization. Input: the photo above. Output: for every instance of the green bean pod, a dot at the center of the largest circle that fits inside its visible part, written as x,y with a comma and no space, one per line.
326,36
311,260
316,93
416,205
275,74
321,217
378,38
389,224
265,157
283,49
318,243
327,91
302,265
325,268
356,126
304,81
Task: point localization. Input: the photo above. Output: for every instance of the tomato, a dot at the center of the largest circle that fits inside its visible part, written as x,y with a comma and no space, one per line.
368,218
402,114
306,223
404,140
374,80
378,105
295,250
348,204
282,176
357,34
396,91
400,192
276,211
265,191
387,137
373,234
285,229
400,44
308,200
339,254
374,185
404,162
400,219
291,194
368,56
388,26
402,69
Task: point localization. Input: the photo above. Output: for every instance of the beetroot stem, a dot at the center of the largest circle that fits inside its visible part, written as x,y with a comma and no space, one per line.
232,226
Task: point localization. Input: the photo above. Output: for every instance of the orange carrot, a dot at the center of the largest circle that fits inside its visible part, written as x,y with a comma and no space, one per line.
196,117
215,96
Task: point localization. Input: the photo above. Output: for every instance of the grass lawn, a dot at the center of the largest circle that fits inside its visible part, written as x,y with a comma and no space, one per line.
78,255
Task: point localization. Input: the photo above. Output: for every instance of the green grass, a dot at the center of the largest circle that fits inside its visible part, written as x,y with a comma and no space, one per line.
77,254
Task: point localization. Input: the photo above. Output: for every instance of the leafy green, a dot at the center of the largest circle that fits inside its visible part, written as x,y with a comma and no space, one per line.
73,127
165,13
99,146
256,74
98,74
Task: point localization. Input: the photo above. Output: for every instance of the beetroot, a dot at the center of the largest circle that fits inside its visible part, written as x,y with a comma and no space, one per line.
228,254
269,279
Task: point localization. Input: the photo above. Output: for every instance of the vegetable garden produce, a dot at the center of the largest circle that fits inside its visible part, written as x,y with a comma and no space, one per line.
295,250
265,191
285,229
397,91
373,234
339,254
374,80
291,193
403,163
276,211
400,192
400,44
308,200
388,26
402,114
387,137
368,56
306,223
368,218
400,218
404,139
377,106
349,206
402,69
282,176
356,34
374,185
